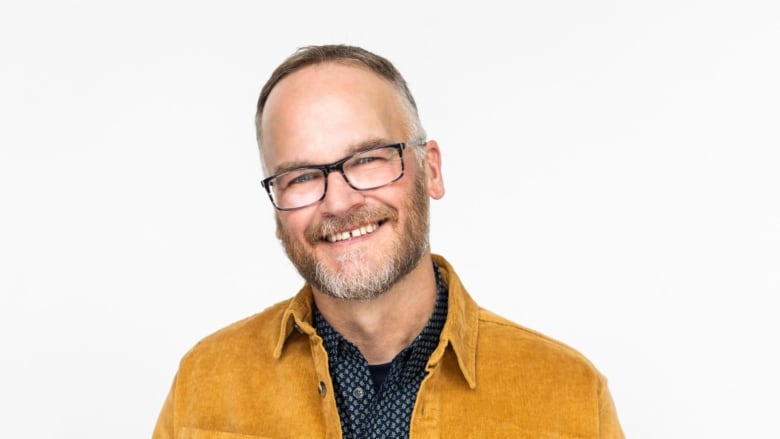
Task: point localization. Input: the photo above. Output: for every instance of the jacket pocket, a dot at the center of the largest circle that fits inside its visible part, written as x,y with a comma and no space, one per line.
197,433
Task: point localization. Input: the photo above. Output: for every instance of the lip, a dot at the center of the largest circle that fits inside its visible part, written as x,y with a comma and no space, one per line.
350,234
335,226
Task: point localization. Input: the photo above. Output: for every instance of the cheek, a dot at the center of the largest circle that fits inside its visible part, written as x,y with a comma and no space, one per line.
293,224
278,225
282,226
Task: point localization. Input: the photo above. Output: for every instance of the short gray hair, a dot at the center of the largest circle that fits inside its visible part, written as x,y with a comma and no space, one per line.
312,55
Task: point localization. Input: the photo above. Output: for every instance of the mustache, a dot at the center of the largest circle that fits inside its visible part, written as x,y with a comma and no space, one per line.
349,221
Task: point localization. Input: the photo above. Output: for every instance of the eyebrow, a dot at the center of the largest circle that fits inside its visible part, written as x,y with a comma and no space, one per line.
357,147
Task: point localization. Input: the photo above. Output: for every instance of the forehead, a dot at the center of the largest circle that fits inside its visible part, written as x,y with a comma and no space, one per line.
322,112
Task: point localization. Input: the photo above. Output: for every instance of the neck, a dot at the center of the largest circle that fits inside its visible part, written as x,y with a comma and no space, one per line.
384,326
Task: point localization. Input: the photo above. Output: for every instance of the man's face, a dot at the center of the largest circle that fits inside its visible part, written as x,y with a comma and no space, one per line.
321,114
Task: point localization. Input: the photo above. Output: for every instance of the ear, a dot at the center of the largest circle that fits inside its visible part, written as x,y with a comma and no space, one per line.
433,170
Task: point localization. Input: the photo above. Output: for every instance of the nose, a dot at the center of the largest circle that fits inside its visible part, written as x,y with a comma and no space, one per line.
340,196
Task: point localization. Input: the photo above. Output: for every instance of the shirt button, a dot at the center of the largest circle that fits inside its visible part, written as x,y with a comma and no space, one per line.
321,388
358,393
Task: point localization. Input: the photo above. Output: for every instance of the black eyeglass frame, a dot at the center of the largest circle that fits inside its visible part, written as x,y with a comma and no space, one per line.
339,166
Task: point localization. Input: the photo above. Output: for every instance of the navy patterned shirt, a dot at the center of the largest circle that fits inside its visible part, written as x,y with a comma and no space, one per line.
371,405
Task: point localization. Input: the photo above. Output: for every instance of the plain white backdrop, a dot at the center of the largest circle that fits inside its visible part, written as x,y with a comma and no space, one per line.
611,168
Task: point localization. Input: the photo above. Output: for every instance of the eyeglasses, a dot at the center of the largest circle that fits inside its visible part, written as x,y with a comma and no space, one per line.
368,169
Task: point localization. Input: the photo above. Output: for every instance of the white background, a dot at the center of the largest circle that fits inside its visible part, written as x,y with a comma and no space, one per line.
611,167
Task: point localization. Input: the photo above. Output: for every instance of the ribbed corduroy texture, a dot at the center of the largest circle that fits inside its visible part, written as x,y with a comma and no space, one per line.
267,377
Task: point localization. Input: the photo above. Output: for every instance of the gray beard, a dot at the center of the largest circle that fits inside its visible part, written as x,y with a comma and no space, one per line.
356,281
353,279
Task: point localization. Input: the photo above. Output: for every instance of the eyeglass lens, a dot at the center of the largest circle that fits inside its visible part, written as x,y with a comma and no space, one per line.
364,170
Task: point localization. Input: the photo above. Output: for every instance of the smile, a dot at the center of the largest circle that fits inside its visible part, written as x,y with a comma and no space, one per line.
360,231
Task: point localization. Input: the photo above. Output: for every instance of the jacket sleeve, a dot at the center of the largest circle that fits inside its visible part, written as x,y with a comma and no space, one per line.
164,427
609,427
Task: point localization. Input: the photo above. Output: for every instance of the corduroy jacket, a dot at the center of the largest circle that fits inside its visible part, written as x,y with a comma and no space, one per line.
267,377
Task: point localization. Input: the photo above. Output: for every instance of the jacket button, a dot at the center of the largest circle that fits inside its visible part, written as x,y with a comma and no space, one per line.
358,393
321,388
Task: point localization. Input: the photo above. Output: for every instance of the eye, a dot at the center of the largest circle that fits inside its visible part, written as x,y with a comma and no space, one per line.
376,157
299,178
304,178
366,160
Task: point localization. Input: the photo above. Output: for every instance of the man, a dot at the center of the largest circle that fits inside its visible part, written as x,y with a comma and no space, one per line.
383,340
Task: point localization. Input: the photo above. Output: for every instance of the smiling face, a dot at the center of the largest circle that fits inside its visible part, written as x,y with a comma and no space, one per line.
353,244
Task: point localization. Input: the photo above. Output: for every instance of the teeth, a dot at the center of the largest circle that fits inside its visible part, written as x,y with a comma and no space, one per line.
360,231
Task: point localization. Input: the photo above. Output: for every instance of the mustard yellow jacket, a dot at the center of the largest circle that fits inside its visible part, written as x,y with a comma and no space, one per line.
267,377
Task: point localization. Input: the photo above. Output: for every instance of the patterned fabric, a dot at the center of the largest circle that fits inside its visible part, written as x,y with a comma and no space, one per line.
366,412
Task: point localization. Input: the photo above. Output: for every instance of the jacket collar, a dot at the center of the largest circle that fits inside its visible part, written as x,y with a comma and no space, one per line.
459,332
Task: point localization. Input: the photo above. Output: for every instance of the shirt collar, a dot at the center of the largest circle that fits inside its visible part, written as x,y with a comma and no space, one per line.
421,347
459,333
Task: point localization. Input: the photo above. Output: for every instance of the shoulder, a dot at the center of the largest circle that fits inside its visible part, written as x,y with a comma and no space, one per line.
502,340
505,347
255,335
